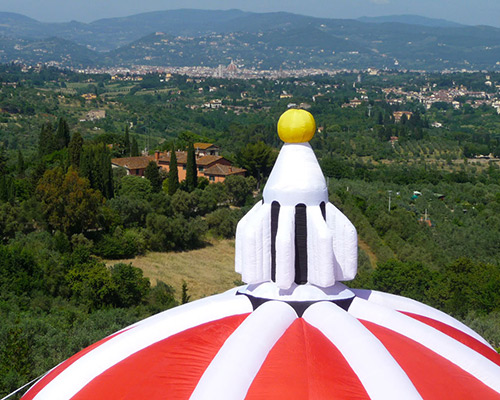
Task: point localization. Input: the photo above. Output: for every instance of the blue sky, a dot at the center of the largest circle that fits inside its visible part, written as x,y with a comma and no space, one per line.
472,12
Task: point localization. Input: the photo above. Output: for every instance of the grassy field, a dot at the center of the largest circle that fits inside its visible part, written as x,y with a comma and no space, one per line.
206,271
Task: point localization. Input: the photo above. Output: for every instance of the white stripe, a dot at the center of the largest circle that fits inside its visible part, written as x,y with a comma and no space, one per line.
232,371
345,243
320,257
454,351
241,231
379,373
405,304
147,332
265,216
247,238
285,248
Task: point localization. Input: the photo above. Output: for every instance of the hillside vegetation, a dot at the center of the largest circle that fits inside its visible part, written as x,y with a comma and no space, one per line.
86,250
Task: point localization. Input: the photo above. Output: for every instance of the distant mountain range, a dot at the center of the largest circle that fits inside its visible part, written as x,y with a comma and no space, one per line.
260,40
412,20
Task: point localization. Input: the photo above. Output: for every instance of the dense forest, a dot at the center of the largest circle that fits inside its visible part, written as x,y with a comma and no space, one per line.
426,206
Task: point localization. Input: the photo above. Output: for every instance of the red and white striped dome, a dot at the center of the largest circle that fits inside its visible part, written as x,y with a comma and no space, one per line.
295,332
372,346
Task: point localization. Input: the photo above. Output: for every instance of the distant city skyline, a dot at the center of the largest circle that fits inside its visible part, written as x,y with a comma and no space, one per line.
469,12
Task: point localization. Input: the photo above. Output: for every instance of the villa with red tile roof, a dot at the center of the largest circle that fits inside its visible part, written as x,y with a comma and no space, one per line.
213,167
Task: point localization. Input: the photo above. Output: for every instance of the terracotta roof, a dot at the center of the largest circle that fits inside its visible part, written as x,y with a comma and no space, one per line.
181,157
223,170
207,160
133,162
203,146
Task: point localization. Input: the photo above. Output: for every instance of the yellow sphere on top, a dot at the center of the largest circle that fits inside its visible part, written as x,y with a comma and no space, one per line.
296,126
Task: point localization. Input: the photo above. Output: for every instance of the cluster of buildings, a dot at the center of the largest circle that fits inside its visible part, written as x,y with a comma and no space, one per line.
429,96
135,73
209,163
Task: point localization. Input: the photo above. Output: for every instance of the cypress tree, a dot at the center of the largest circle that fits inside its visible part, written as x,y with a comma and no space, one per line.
153,175
126,143
134,148
173,173
87,163
62,137
46,140
95,165
21,167
191,172
3,161
7,190
105,172
3,188
75,149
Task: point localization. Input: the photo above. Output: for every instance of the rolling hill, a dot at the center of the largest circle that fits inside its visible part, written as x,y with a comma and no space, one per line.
254,40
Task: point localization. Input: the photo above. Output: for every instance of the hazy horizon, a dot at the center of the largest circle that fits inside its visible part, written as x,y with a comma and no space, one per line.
481,12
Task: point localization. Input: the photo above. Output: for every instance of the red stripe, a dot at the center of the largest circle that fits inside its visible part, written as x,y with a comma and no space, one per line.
65,364
462,337
304,364
433,375
169,369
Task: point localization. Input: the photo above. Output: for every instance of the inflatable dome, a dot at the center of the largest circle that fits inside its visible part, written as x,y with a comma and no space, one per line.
295,331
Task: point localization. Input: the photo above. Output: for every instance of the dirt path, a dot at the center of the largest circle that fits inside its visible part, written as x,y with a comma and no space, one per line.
371,255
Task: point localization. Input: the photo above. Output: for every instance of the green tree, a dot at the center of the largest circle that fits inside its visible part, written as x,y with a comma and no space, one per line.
132,287
46,140
238,189
21,166
131,209
258,159
3,161
75,149
185,297
134,148
135,186
62,136
405,279
177,233
173,173
7,189
95,165
223,221
153,175
126,143
184,203
191,169
69,204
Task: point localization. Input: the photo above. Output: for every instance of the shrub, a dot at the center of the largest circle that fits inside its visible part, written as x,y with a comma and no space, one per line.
222,222
176,233
132,210
122,244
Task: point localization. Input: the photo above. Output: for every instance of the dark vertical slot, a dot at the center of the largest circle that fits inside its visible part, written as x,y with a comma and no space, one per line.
300,244
275,212
322,206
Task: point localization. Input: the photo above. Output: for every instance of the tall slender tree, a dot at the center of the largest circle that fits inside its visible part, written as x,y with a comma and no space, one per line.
134,148
153,175
75,149
106,172
3,161
21,167
95,165
126,143
62,136
191,170
46,140
173,173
